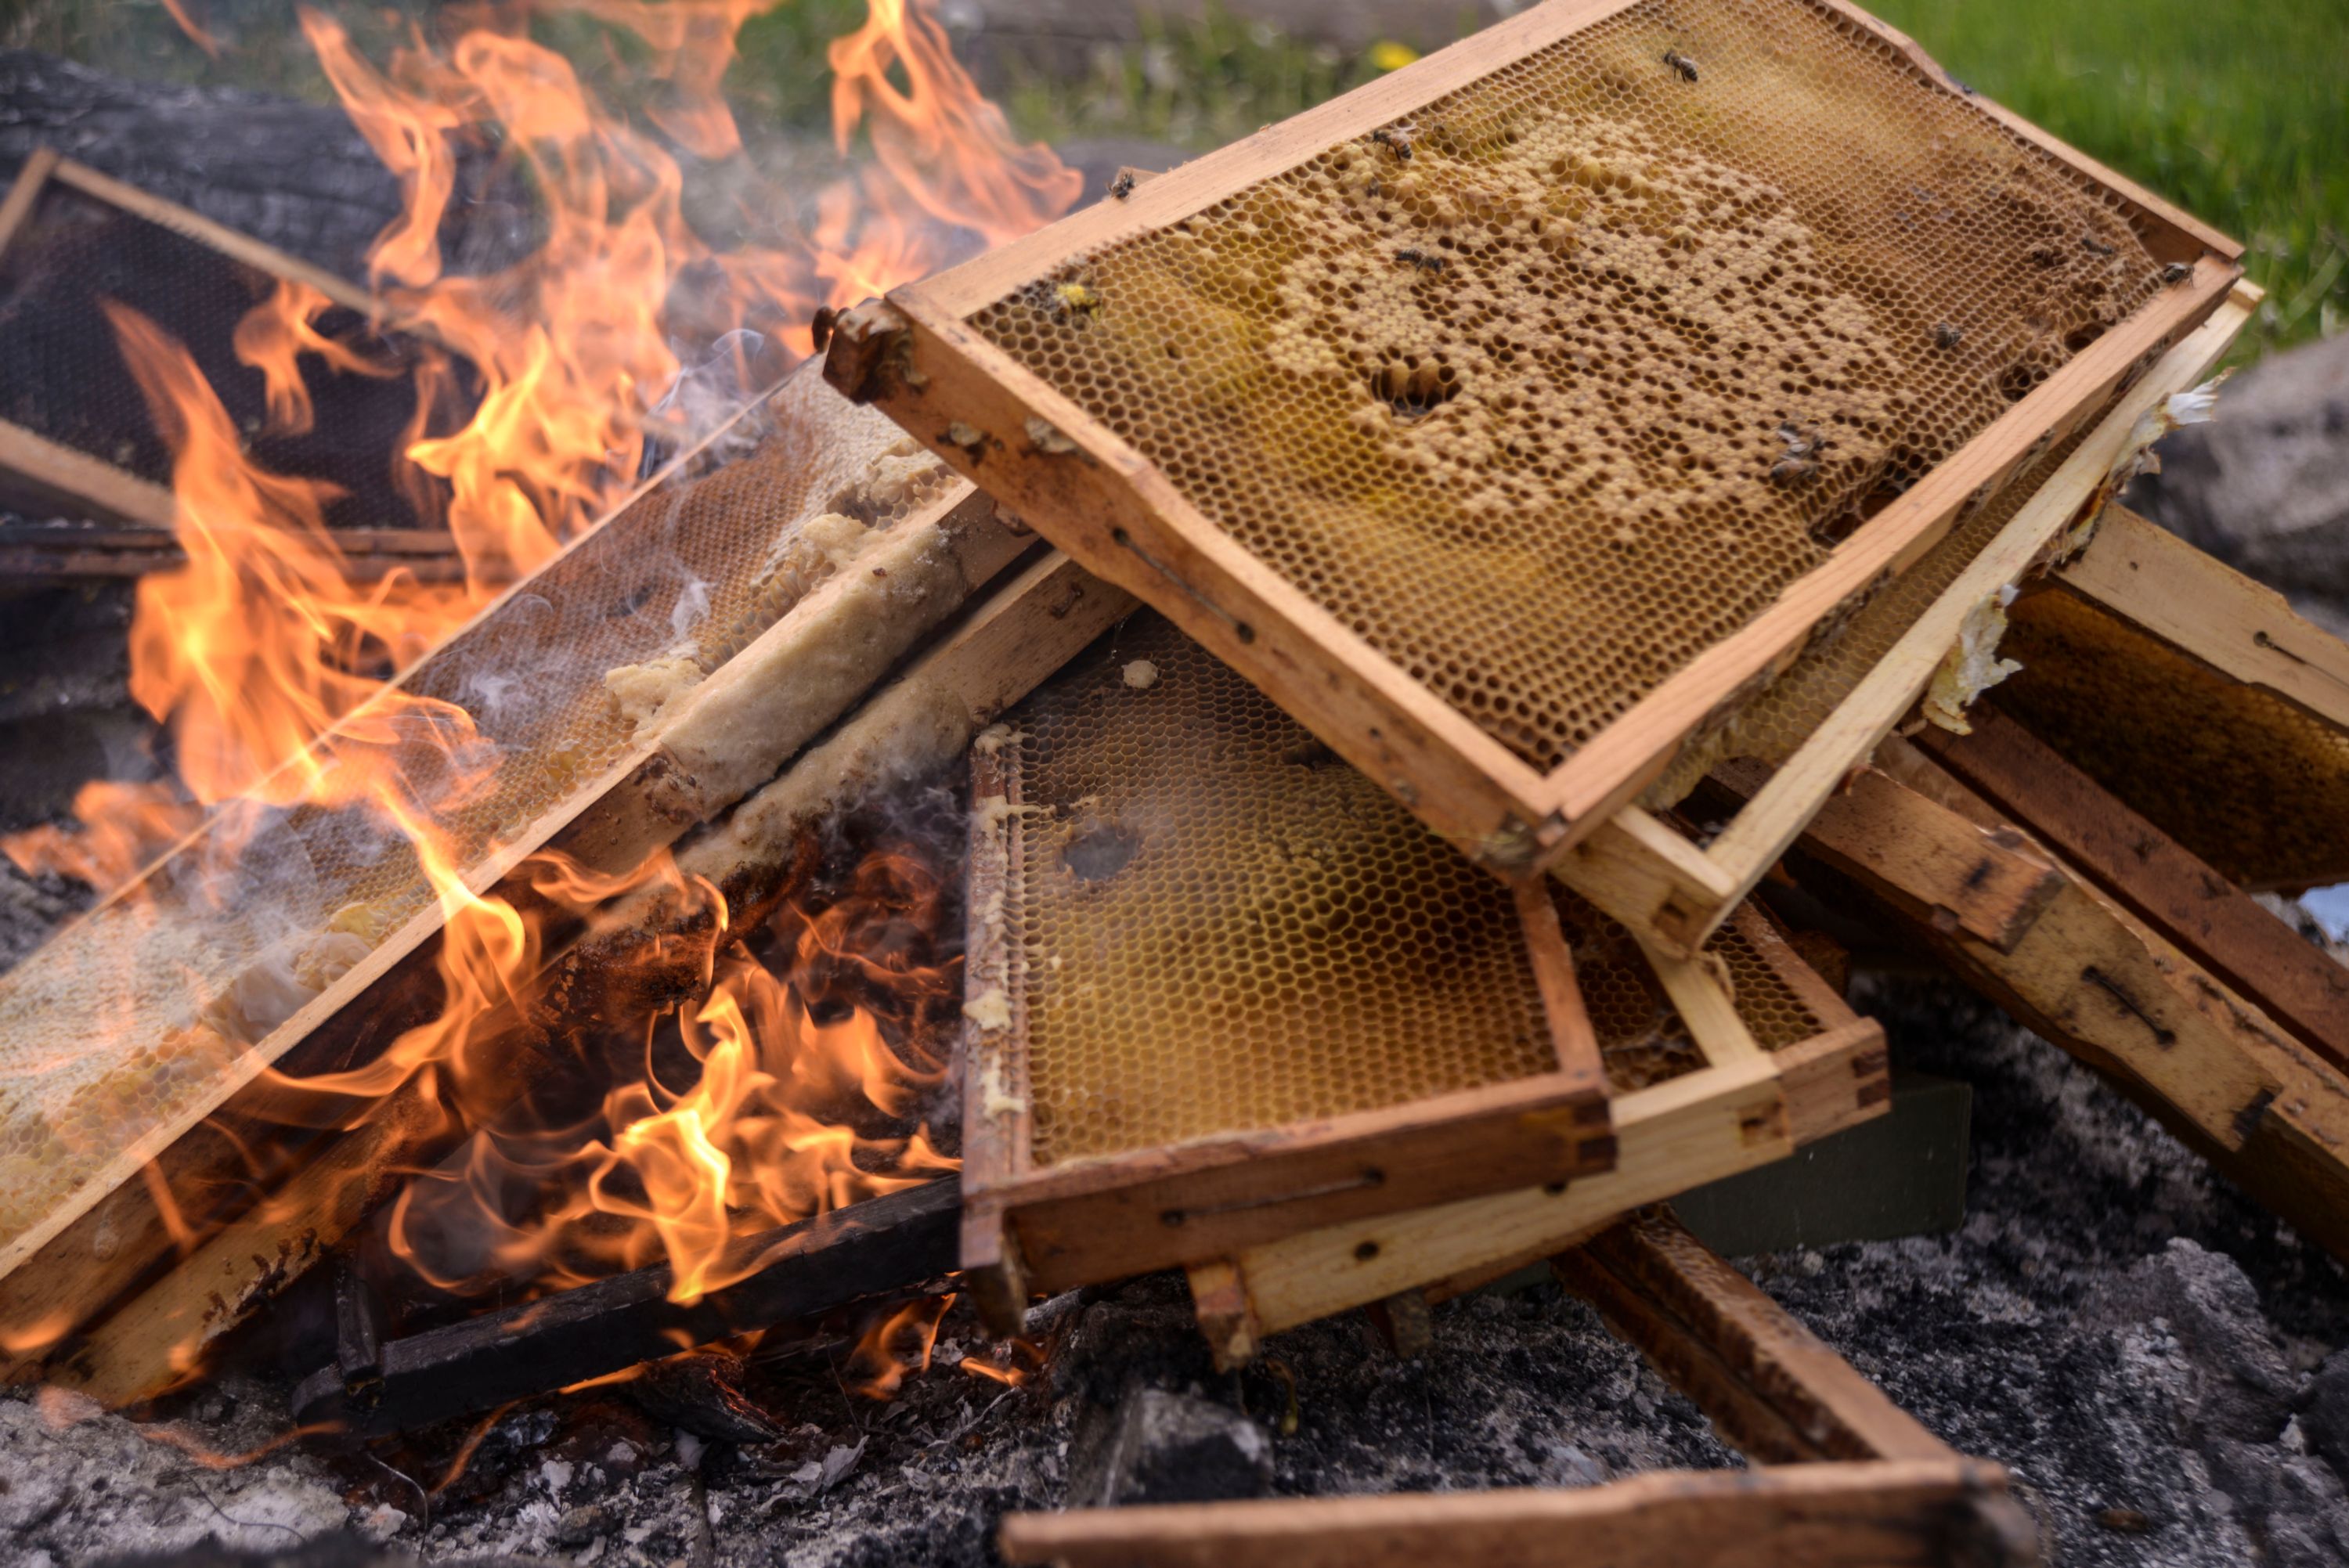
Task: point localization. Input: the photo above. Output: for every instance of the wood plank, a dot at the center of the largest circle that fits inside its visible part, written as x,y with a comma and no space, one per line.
368,555
1936,867
1772,1388
1109,1219
232,1261
242,247
1678,1134
38,477
2208,610
2162,882
878,1247
1881,1513
1653,881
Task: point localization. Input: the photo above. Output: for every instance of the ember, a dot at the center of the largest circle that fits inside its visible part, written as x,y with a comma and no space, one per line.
910,826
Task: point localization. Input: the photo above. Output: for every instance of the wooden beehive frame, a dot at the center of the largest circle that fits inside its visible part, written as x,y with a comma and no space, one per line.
1029,1228
41,471
1654,881
1115,511
1852,1478
1745,1107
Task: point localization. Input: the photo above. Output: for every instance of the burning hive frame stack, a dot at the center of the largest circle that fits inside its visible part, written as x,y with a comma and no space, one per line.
1610,423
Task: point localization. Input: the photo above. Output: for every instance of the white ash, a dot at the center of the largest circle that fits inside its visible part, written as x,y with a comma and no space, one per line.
2119,1326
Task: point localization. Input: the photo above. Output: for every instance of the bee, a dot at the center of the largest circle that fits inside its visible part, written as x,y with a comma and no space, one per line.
1800,462
1123,186
1422,259
1682,64
1395,139
2097,247
1947,336
2177,273
820,328
1075,299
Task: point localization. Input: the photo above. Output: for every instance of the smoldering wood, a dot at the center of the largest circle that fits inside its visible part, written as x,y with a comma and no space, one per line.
883,1246
292,174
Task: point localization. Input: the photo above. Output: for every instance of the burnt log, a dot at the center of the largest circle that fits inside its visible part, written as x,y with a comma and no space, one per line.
883,1246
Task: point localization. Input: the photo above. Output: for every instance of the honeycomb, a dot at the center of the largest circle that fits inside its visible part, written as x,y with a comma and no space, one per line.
1777,721
1217,926
1552,386
62,377
2247,781
114,1032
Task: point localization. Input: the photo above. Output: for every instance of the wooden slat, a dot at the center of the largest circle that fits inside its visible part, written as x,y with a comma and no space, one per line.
873,1248
1676,1135
1884,1514
1771,1386
368,555
2161,881
228,242
31,176
2268,1111
2208,610
1936,867
40,476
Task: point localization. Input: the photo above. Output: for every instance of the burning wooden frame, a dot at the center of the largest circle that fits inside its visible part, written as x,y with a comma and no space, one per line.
1137,464
75,433
1853,1478
790,639
237,1257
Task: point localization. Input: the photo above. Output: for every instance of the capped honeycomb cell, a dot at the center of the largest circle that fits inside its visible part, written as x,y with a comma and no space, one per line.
1567,380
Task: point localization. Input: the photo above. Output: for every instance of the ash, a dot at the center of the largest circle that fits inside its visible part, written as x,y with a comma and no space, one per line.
2143,1345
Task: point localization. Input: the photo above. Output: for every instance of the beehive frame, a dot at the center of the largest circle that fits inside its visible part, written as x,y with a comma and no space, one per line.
39,472
1030,1225
1745,1107
919,357
1656,881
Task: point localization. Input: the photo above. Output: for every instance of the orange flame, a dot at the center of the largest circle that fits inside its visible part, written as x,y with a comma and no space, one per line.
772,1097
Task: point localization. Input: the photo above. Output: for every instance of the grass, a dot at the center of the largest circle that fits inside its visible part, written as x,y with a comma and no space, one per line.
2235,110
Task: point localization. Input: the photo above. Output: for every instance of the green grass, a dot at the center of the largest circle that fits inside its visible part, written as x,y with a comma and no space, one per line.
2236,109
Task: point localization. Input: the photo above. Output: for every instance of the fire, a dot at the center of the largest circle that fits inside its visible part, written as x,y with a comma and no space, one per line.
770,1096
